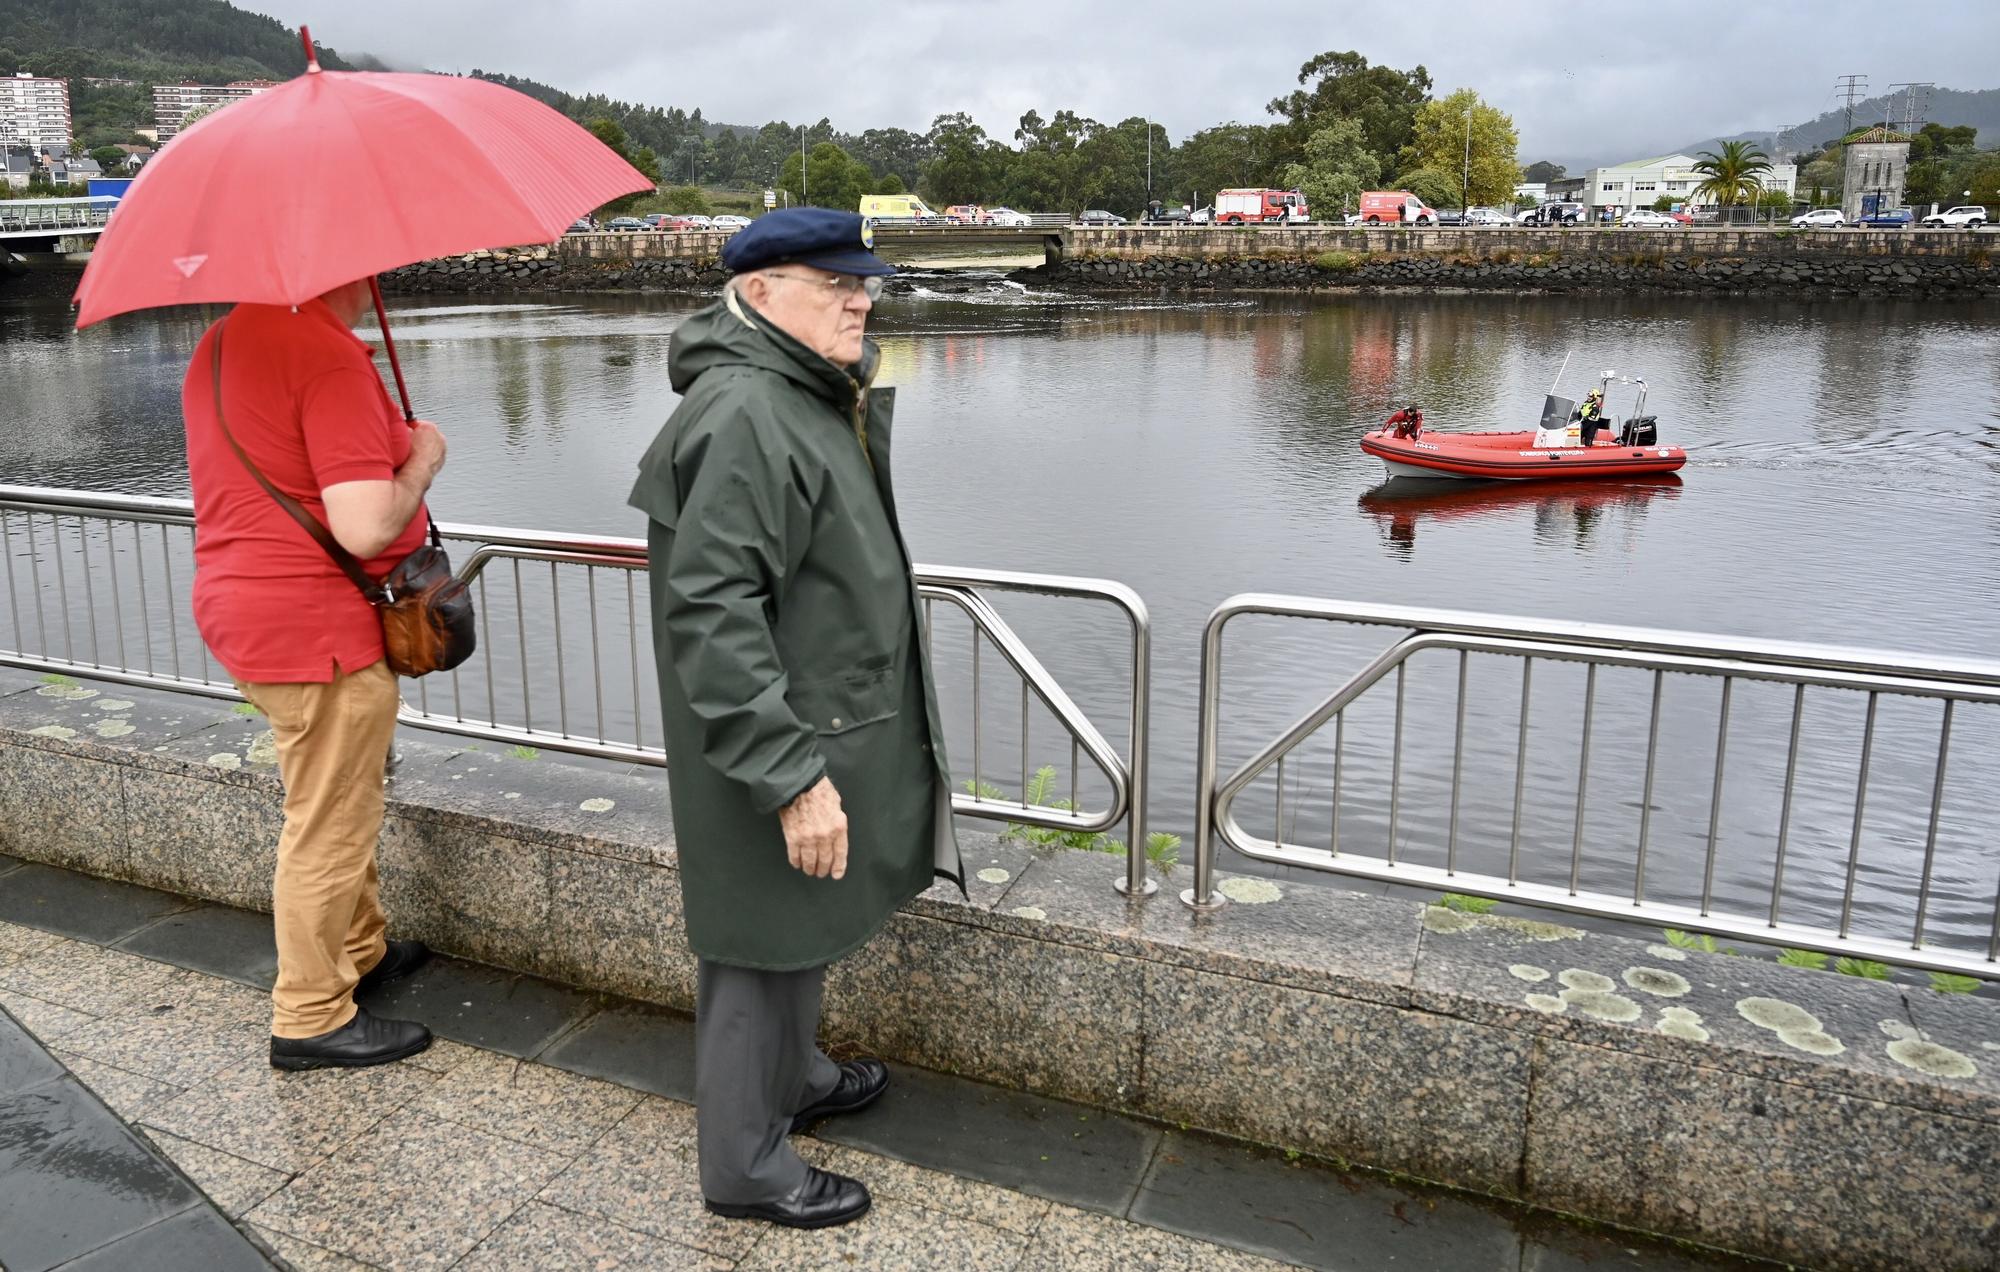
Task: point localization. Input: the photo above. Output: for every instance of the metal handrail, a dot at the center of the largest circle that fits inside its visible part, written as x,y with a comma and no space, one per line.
966,590
1799,664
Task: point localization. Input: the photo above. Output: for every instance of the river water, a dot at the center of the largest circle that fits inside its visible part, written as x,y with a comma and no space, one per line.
1844,488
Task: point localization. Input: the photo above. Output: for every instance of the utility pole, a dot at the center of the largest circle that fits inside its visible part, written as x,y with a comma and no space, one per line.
1149,160
1852,88
1465,177
802,165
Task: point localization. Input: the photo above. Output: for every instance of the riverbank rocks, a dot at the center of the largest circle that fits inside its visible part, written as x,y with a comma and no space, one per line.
546,269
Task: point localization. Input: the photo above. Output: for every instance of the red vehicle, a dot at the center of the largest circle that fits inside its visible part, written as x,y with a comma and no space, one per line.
1260,207
966,214
1395,207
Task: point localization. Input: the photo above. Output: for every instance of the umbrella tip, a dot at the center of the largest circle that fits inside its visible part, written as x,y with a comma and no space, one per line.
312,58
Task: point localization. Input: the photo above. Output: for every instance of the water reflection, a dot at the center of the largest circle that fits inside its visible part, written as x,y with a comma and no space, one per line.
1560,515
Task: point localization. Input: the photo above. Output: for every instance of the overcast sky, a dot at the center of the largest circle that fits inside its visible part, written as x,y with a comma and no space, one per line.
1584,82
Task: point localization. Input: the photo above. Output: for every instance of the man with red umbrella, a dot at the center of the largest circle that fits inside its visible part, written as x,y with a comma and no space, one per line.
283,403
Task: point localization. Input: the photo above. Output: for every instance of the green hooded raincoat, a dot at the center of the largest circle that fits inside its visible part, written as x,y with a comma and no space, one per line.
786,626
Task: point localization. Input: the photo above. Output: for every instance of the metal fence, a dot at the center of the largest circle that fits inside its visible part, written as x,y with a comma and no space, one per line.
99,585
1874,889
55,216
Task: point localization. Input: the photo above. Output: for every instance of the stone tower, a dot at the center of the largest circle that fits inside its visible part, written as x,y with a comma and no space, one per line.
1878,164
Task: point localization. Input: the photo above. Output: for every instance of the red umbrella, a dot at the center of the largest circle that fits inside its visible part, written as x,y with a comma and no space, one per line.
339,175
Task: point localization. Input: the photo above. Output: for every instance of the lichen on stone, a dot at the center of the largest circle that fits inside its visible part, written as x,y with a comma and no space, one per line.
598,805
1548,1004
1679,1022
1812,1040
1028,912
263,748
1250,891
1586,982
511,795
1444,922
1900,1029
1528,972
1660,984
225,760
115,704
993,874
1604,1006
53,730
69,693
1932,1058
1668,953
1777,1015
114,728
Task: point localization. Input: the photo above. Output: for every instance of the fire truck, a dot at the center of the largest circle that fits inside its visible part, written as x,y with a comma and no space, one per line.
1269,207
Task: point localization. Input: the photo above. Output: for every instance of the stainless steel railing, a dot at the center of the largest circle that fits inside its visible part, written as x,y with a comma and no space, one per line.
1861,879
48,216
98,584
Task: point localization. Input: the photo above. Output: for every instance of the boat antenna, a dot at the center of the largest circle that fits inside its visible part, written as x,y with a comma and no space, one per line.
1559,373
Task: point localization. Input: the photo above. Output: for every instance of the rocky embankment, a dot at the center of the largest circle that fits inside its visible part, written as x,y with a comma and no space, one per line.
1815,275
546,269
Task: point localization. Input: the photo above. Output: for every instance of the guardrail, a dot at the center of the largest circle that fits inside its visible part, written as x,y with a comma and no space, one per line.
1947,683
56,216
565,649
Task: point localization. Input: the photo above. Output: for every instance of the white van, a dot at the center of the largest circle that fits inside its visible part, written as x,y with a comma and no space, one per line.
881,208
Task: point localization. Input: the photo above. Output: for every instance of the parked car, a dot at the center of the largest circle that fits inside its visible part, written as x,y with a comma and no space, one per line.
1008,218
623,224
655,220
1487,216
728,221
964,214
1888,219
1682,218
1098,216
1820,219
1557,214
1969,217
1202,215
698,222
582,225
1646,218
1451,216
1166,216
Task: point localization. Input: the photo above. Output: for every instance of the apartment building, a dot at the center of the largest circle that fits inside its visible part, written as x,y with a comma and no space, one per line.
34,112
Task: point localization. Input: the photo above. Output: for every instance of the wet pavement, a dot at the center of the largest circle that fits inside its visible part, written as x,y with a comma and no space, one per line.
548,1129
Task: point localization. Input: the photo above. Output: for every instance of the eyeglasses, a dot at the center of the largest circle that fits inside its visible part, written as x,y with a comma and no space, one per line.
841,285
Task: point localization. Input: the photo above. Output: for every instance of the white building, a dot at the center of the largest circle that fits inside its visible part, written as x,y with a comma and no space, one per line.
172,102
1639,184
34,112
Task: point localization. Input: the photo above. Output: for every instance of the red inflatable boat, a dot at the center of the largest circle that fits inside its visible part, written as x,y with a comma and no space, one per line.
1558,451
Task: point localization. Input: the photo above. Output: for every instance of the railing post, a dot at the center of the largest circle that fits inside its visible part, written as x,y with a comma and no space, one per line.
1202,896
1138,880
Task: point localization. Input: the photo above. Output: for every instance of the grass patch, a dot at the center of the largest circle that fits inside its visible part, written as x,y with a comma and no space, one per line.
246,709
1338,262
56,678
524,752
1948,983
1865,968
1465,905
1803,958
1696,941
1162,850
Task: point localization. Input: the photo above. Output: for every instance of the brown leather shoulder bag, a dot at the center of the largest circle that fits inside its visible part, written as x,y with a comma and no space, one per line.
426,610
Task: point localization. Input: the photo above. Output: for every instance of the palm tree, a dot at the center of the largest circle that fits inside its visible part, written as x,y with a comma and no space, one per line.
1734,176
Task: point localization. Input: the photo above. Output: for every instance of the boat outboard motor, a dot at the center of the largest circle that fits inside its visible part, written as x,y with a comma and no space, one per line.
1553,431
1640,430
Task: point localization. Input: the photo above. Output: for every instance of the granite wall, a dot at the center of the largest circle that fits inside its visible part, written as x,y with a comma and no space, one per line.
1819,1119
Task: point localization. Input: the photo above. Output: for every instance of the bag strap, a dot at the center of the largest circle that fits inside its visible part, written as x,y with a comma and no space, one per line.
376,593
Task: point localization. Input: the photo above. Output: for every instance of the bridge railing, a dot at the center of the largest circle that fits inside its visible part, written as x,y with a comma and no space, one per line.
1867,740
100,585
55,216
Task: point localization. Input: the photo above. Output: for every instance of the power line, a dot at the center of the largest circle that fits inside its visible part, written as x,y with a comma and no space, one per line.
1852,89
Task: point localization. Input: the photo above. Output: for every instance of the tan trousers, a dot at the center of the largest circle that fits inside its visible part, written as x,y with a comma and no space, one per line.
333,742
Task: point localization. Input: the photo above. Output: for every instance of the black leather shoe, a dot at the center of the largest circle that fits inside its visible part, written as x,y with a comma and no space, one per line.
823,1201
399,960
362,1041
862,1082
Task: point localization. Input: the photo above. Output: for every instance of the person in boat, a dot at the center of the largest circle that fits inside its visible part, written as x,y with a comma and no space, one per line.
1406,423
1591,415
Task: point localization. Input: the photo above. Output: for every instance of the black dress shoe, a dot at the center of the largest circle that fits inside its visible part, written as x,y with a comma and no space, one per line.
824,1200
362,1041
398,960
862,1082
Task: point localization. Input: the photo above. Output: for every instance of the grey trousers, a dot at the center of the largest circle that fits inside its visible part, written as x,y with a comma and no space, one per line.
757,1064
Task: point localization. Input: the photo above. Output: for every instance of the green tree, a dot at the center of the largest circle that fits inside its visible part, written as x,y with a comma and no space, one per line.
960,169
892,150
613,136
1228,156
1445,132
1936,140
109,158
1337,168
1336,85
1541,172
685,201
828,177
1439,189
1732,176
1665,203
891,183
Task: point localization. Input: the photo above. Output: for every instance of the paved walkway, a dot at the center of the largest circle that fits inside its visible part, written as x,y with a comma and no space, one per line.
548,1130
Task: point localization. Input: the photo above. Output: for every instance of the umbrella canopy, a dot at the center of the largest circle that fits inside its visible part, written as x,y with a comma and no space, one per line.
335,176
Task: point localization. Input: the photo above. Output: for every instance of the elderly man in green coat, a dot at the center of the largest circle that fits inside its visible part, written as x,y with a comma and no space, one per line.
810,790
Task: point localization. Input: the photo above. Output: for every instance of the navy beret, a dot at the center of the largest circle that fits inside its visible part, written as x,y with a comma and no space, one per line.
822,238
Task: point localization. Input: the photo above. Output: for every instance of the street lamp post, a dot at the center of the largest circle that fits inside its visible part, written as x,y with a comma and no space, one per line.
802,166
1465,176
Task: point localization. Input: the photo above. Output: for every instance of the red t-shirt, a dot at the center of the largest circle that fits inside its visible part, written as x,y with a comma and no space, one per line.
305,403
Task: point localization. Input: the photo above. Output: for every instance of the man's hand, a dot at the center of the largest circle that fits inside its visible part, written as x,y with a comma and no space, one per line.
367,516
816,831
426,452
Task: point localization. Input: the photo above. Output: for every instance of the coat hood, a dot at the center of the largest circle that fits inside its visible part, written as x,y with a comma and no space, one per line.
731,333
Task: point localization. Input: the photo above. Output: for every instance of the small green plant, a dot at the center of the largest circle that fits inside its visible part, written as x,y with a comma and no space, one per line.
1947,983
56,678
246,709
1464,904
1803,958
1865,968
1690,941
1782,235
524,752
1163,851
1338,262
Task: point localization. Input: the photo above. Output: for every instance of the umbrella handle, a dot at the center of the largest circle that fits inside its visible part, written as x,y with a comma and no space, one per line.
389,345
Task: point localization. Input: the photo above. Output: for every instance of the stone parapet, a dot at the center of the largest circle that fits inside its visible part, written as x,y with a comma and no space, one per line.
1799,1115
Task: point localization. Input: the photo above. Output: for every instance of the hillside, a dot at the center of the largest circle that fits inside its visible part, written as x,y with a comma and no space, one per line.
1951,107
149,40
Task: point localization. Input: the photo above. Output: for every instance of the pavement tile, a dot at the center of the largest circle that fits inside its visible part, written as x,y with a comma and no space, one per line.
81,906
1310,1214
18,943
442,1056
197,1240
1553,1247
304,1256
130,1095
1072,1240
1049,1148
484,1006
635,1045
42,1018
87,978
288,1121
183,1032
24,1065
526,1102
894,1236
965,1198
549,1239
216,939
233,1184
73,1178
360,1201
643,1175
